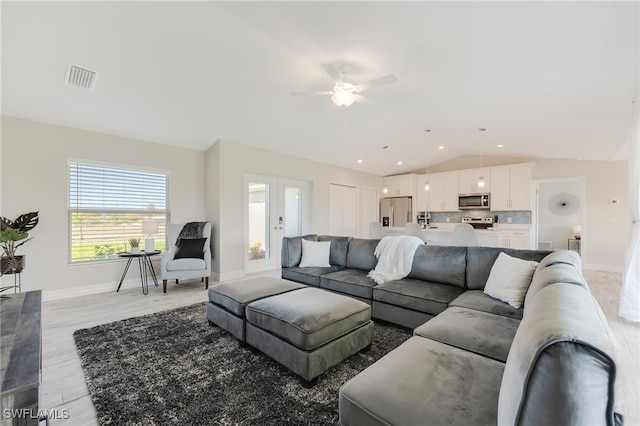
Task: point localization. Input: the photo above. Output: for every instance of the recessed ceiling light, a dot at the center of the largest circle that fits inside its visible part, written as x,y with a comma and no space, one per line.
360,161
441,147
399,163
500,146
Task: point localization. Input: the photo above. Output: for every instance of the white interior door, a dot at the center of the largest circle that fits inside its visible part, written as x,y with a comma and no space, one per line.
343,208
368,210
275,208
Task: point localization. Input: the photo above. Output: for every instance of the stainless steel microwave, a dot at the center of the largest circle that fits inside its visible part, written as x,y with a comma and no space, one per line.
474,201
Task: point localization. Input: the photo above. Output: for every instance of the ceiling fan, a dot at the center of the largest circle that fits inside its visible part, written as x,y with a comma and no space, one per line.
345,91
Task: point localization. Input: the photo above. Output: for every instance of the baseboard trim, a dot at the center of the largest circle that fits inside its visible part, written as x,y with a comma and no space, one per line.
86,290
602,268
227,276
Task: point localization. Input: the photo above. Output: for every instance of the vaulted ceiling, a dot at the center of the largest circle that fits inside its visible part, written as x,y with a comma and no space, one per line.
547,79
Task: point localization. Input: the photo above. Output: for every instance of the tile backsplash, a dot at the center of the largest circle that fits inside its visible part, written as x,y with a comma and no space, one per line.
519,217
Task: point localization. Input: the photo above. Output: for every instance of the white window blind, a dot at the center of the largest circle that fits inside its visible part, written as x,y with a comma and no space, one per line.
107,206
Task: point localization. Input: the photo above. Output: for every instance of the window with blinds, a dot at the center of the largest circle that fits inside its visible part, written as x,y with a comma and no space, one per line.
107,206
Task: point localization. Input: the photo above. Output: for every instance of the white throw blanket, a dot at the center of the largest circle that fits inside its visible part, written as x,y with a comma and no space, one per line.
395,256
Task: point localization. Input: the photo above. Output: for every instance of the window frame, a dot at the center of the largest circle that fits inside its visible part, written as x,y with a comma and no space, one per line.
134,168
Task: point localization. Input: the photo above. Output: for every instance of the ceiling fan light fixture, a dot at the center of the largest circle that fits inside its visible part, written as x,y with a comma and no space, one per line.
343,99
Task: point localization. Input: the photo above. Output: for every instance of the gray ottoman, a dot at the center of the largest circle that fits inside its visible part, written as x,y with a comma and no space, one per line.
227,301
309,330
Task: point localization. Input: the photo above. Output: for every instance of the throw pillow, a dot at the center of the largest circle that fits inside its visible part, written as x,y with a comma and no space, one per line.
190,248
315,254
509,279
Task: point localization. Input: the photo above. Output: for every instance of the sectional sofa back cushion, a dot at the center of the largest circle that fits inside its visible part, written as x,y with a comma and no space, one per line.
560,367
556,273
292,249
480,260
440,264
565,257
360,254
338,251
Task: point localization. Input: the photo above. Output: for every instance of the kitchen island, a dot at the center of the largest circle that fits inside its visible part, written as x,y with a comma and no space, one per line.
442,235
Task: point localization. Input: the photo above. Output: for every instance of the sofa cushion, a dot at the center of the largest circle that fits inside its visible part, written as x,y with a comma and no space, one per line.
560,368
440,264
476,299
350,281
310,276
555,273
423,382
481,259
315,254
339,248
186,264
292,249
361,254
476,331
568,257
235,295
418,295
509,279
308,318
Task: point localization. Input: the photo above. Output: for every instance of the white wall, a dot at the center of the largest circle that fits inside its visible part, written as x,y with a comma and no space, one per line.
553,227
35,177
606,229
227,163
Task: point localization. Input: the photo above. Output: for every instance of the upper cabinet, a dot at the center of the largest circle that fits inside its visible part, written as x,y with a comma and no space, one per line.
511,187
400,185
468,181
443,192
421,202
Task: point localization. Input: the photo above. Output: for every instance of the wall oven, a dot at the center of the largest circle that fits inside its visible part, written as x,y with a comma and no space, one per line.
474,201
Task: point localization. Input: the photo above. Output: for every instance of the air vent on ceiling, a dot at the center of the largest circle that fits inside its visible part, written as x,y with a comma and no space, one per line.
81,77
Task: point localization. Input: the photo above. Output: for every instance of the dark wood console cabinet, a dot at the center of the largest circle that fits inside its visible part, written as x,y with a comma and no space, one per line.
21,358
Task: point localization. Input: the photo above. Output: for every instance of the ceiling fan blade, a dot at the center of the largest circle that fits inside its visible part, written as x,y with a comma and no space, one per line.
326,92
332,72
377,82
363,99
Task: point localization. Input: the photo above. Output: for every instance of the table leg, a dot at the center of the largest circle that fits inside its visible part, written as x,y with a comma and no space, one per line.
126,268
143,275
153,273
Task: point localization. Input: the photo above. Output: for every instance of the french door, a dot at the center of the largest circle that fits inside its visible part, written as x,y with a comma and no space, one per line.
275,208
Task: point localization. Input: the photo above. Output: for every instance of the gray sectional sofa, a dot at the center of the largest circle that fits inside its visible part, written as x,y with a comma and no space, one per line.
473,359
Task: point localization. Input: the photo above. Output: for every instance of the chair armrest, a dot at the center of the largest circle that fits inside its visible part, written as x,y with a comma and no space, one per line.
167,257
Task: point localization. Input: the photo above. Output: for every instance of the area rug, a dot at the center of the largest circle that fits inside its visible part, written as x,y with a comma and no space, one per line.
172,368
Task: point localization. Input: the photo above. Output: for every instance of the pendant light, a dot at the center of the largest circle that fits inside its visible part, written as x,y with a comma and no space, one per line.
427,185
481,177
385,188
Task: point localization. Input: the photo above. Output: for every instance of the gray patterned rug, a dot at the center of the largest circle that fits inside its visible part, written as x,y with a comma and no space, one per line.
172,368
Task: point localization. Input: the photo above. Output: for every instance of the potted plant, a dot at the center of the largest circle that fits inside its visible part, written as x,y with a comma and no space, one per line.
13,234
135,245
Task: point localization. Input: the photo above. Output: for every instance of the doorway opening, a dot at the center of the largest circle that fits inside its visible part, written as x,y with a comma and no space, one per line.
275,208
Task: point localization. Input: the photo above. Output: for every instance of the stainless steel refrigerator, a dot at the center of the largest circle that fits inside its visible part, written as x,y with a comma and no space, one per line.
395,211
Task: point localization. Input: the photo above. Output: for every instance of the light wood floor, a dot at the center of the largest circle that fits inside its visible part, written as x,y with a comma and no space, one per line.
63,384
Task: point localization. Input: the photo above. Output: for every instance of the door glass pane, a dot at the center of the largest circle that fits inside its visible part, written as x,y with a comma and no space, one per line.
292,211
258,221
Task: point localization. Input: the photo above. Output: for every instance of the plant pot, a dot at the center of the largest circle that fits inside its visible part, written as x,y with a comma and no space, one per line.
12,265
135,250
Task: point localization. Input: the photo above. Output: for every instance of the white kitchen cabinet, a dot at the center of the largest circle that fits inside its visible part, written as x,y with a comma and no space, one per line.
400,185
468,181
443,192
516,239
511,187
421,201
